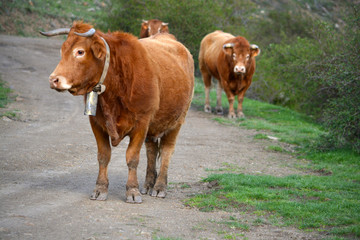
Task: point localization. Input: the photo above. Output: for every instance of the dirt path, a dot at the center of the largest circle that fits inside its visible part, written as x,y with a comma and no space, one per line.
49,168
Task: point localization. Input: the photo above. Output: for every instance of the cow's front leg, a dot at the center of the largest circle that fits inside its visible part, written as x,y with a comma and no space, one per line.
240,96
240,113
104,154
132,159
231,99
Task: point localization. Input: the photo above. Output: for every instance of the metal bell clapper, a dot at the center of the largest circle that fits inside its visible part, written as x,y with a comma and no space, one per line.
91,103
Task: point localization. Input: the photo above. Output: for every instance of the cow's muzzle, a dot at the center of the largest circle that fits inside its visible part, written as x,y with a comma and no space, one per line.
59,83
239,69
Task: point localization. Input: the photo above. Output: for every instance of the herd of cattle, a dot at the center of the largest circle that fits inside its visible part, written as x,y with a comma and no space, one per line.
143,88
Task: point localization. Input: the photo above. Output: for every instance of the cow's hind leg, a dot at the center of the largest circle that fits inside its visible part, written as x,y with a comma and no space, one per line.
104,154
167,146
219,108
133,194
152,151
207,83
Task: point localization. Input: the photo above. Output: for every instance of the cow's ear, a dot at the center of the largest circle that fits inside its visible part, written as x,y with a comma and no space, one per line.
145,24
99,49
228,48
254,50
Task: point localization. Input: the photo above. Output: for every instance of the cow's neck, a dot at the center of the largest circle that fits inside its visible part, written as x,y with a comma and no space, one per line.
236,77
112,107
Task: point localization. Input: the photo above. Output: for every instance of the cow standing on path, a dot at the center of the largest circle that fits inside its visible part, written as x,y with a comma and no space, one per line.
149,86
152,27
231,60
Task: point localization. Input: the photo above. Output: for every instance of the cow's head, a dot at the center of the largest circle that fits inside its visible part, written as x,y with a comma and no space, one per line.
240,53
82,60
153,26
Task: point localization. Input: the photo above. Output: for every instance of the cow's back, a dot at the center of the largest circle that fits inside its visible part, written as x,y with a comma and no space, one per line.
174,66
210,48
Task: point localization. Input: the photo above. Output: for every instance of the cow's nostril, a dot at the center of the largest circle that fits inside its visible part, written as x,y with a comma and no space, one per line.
53,79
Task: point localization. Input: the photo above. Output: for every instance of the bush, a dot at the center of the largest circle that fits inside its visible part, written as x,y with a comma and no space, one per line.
281,73
340,88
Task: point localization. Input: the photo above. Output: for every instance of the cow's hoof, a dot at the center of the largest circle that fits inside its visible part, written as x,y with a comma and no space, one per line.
232,115
207,109
159,194
133,196
219,110
240,115
97,195
145,191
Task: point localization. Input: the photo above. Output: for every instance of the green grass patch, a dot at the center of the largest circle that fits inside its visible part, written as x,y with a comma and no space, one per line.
185,186
4,94
275,148
308,202
327,202
226,167
261,136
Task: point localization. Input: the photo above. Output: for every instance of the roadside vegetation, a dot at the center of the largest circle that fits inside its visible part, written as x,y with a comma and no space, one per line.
305,92
6,97
4,93
326,199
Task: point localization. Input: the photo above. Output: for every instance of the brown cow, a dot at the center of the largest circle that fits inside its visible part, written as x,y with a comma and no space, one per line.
149,87
152,27
231,60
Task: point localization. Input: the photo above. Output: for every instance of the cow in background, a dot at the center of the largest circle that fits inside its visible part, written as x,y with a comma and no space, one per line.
149,86
152,27
231,60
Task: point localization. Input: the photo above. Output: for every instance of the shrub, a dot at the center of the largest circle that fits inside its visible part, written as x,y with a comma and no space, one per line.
281,73
339,74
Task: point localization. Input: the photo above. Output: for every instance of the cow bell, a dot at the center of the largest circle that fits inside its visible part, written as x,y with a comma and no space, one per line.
91,103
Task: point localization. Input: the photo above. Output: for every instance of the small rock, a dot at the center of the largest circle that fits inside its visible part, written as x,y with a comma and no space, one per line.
273,138
6,119
213,183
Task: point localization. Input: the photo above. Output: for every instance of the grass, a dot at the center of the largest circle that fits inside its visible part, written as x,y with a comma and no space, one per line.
5,98
4,94
327,200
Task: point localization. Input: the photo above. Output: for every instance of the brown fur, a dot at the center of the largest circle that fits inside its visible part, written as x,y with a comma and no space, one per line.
217,61
152,27
149,87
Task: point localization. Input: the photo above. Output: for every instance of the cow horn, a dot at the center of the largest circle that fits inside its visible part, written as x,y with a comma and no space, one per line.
254,46
228,45
164,24
145,21
55,32
89,33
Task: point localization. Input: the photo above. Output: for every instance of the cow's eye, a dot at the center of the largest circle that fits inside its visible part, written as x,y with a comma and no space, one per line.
247,57
234,56
79,52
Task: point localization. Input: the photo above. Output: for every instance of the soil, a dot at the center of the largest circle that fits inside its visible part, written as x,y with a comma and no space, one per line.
49,166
